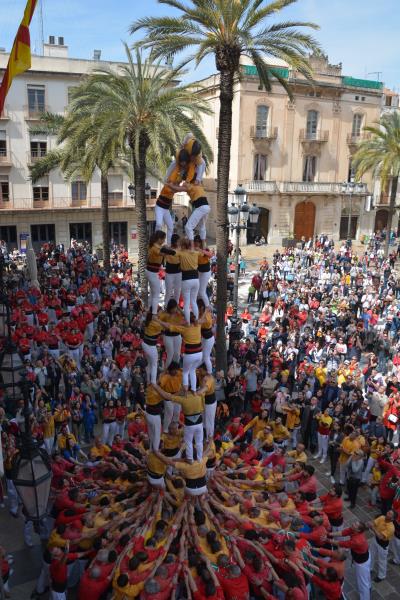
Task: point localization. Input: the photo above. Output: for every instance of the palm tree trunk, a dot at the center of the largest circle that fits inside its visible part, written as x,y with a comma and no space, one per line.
224,156
139,170
393,194
105,222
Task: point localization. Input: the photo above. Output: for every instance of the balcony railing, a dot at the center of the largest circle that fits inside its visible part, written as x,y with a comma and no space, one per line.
355,138
310,187
34,113
63,203
313,136
5,159
253,186
263,133
35,155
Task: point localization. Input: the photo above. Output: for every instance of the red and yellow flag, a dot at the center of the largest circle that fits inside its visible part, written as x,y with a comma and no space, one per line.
20,56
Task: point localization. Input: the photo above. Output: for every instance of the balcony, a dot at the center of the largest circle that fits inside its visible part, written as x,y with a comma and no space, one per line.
64,203
261,187
314,136
4,116
34,113
310,187
35,155
263,133
5,159
353,139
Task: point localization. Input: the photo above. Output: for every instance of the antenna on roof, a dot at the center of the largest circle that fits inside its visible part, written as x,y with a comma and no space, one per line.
377,73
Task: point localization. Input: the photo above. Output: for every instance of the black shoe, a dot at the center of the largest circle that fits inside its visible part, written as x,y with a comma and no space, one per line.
378,579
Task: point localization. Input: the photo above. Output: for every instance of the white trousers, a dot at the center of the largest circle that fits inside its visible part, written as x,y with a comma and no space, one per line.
190,433
44,578
190,287
13,503
368,469
363,579
190,363
323,441
58,595
198,219
109,431
394,545
154,430
173,286
158,483
76,354
48,444
204,278
209,419
172,345
342,473
196,491
55,353
151,355
155,289
207,346
163,217
121,429
380,555
172,410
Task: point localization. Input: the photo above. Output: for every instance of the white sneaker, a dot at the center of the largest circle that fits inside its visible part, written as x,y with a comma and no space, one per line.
327,474
332,479
321,462
316,456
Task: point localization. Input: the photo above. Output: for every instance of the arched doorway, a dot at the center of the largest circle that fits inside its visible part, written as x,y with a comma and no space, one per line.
381,219
304,220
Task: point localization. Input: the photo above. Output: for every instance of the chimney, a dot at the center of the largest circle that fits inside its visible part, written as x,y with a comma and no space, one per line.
97,55
55,47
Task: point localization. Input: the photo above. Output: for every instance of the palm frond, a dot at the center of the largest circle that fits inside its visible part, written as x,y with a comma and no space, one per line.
42,167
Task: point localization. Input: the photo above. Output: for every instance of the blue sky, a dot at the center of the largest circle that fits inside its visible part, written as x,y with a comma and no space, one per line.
362,34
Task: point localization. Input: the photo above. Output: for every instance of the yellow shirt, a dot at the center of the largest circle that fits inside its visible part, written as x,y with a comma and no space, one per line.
191,334
299,457
193,470
384,528
375,449
321,373
153,398
293,418
279,431
195,191
62,440
171,383
153,329
172,441
189,259
154,255
155,465
192,404
348,446
49,427
97,452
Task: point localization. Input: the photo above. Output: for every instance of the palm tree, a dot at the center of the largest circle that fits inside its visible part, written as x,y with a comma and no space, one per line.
227,30
380,154
142,106
80,155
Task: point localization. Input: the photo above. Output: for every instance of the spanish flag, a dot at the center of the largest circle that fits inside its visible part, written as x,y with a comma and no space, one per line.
20,57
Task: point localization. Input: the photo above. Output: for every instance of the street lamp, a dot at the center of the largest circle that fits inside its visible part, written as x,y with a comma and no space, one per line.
147,191
31,471
348,188
239,216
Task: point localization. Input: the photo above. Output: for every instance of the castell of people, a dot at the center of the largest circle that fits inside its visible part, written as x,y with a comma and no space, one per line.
199,300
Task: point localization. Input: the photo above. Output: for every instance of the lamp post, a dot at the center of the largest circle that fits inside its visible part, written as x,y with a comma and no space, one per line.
31,471
131,190
349,188
239,215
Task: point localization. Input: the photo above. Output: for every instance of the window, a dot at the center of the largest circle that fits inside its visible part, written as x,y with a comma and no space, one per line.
4,188
388,100
310,168
119,233
78,190
38,149
260,167
8,233
357,98
312,124
36,102
262,121
357,125
41,190
351,172
82,232
43,234
115,187
362,98
3,143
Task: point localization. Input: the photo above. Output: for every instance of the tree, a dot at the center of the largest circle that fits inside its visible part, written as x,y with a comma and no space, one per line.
80,154
141,105
228,29
380,154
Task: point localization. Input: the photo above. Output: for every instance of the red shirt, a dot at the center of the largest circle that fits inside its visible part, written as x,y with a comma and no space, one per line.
317,536
201,595
357,543
236,588
332,589
332,506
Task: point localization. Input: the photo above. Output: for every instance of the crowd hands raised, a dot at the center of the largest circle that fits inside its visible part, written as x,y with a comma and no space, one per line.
199,483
